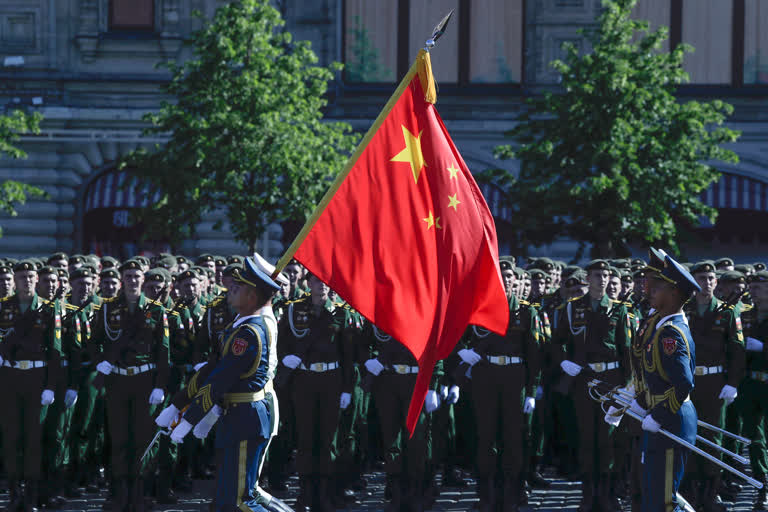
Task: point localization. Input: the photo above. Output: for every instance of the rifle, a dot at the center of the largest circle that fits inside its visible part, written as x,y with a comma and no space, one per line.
115,349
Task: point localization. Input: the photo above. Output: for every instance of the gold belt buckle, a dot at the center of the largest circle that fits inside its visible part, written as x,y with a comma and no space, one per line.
318,367
699,370
400,368
599,367
130,371
505,360
25,365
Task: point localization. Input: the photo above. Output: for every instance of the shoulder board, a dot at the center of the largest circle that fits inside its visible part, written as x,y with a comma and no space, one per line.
574,299
747,307
730,306
216,301
154,302
173,313
5,299
96,307
524,302
71,306
297,301
110,299
628,304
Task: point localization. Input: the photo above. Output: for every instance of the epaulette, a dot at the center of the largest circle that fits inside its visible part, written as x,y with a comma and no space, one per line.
628,304
173,313
109,299
216,301
154,302
297,301
5,299
524,302
96,307
536,305
572,299
71,306
747,307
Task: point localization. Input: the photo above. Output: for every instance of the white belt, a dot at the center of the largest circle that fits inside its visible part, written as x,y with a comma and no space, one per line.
504,360
761,376
404,369
601,367
25,365
133,370
320,367
708,370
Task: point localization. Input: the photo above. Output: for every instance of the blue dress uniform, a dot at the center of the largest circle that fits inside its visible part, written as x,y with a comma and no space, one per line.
669,362
237,383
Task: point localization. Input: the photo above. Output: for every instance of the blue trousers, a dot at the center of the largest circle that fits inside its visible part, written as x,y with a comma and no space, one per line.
664,462
237,465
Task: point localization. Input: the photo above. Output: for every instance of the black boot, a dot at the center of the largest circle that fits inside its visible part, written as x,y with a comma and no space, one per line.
30,496
587,494
711,501
761,501
304,501
452,477
512,493
534,478
119,501
15,496
488,494
395,485
322,501
165,495
606,499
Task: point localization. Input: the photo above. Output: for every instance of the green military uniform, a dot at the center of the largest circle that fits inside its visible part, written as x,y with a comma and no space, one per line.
595,334
754,391
720,361
135,342
31,353
312,333
505,377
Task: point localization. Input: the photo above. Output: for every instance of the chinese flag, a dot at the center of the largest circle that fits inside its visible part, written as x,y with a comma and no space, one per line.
405,236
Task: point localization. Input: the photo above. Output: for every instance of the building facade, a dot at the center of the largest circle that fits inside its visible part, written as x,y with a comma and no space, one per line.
89,66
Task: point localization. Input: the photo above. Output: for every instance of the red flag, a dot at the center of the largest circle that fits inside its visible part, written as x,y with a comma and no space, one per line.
405,236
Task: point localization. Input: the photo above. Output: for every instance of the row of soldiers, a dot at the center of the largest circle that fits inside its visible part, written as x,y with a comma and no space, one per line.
93,348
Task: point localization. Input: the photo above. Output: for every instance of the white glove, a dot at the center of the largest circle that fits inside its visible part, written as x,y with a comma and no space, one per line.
344,400
70,398
635,408
443,392
729,394
469,356
453,395
47,397
372,365
570,368
539,393
432,401
200,365
650,424
202,429
291,361
181,430
753,345
167,416
612,418
1,360
104,367
530,405
156,397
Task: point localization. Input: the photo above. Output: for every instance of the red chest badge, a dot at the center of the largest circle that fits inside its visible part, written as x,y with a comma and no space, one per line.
670,345
238,346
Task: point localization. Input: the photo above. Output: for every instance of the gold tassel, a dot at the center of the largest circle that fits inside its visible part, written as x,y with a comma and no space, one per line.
426,78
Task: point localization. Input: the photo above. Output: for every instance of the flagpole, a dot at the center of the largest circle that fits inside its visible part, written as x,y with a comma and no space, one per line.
423,67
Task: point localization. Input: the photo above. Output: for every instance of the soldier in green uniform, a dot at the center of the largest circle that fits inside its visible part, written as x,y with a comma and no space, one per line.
87,428
754,391
135,361
322,384
394,371
595,335
720,364
505,375
613,290
47,283
724,264
30,355
58,260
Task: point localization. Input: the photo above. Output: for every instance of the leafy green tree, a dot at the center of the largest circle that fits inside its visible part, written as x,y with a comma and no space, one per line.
14,193
614,157
246,131
364,64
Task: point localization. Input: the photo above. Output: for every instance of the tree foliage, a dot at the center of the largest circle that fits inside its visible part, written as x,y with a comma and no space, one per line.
246,130
14,193
614,157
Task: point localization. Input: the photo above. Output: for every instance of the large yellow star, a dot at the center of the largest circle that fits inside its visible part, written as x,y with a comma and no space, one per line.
412,153
454,202
454,171
432,221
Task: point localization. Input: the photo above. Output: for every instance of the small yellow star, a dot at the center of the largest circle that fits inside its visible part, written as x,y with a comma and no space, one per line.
412,153
454,202
454,171
432,221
